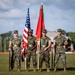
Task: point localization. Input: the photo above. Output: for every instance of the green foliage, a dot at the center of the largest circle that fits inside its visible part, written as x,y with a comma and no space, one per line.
63,32
72,36
6,37
7,34
5,40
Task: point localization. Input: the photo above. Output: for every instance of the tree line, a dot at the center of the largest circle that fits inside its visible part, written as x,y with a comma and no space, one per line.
5,37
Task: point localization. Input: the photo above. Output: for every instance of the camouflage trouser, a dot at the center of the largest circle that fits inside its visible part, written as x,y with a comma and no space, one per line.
11,60
17,57
28,56
63,57
44,56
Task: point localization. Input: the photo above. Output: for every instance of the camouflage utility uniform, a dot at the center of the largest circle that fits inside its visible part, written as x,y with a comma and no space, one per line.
16,42
15,52
60,50
31,51
44,55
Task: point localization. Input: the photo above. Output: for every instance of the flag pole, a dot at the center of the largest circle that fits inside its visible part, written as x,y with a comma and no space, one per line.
38,53
28,5
52,58
24,50
40,27
25,63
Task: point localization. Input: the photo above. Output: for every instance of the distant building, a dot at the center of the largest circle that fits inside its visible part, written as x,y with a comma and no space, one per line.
52,34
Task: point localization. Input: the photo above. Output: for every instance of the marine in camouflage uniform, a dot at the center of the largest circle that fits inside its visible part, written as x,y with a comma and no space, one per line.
45,44
31,50
15,45
59,42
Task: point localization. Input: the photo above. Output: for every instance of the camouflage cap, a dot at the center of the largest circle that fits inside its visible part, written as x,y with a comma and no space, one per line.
30,30
44,31
59,30
15,31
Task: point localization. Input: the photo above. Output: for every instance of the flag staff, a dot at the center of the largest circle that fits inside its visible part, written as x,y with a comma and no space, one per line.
28,5
39,28
28,28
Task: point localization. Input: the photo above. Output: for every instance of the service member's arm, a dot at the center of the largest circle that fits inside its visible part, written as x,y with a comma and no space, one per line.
34,45
10,44
21,44
49,45
54,42
65,42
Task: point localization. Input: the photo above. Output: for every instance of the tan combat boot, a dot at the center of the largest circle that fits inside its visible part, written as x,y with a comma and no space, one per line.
48,70
18,70
40,70
64,69
12,70
27,69
34,69
54,69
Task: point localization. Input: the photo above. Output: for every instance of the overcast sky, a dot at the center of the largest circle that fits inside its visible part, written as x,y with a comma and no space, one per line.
57,14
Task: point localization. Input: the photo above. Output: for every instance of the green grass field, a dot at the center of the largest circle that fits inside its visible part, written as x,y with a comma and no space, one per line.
4,67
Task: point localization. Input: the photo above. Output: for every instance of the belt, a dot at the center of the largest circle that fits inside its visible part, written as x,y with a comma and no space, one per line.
43,46
15,45
30,45
59,46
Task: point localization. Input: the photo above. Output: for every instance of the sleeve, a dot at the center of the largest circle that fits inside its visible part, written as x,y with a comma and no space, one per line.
10,43
21,40
65,40
35,39
54,40
49,40
11,39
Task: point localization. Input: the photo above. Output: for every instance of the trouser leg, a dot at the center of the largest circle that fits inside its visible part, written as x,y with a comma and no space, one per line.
57,55
28,56
63,56
40,60
47,59
34,59
18,61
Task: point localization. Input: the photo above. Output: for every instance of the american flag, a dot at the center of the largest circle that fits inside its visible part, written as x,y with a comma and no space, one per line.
25,33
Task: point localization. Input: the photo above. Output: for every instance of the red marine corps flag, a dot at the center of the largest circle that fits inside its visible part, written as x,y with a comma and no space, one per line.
40,24
40,27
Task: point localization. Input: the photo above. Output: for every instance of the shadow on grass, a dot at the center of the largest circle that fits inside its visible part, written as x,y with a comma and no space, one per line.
44,70
68,69
71,69
31,70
